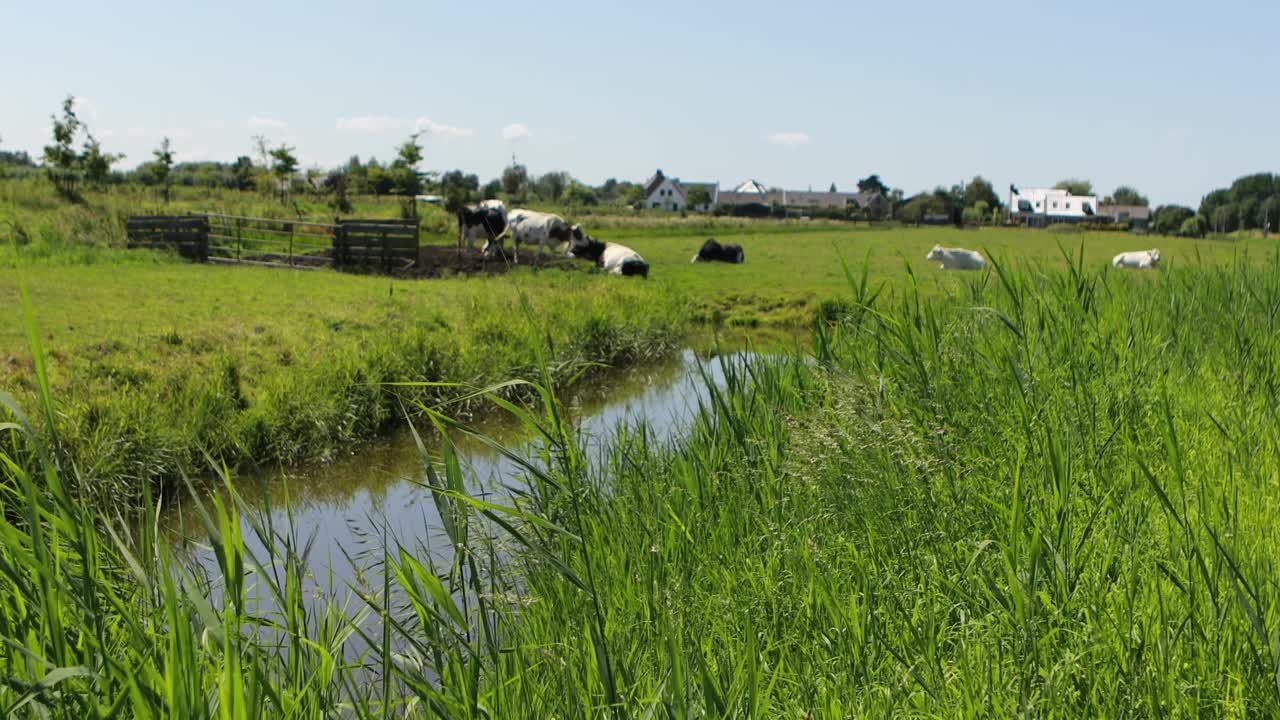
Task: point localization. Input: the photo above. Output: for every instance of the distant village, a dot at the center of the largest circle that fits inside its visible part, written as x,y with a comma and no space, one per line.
1035,207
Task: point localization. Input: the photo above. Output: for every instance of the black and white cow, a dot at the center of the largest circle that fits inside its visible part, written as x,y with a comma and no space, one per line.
610,257
713,251
488,220
528,227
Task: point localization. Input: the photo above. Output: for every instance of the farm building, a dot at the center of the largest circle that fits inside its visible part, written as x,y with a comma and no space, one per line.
1043,206
753,197
1137,216
668,193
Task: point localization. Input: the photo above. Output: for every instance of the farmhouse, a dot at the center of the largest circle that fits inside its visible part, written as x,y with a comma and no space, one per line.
668,193
1138,217
754,198
1042,206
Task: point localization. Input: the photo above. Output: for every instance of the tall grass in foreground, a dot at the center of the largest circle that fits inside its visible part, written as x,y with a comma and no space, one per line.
1050,495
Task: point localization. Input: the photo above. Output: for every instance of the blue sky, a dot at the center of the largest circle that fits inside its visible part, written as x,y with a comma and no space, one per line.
1172,97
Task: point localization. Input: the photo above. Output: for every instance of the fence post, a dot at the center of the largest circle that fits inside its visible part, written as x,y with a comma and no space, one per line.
290,244
203,243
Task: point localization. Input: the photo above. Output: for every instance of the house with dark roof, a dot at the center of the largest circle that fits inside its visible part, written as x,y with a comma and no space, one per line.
667,193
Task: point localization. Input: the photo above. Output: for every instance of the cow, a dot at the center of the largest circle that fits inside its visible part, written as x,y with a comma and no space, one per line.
713,251
956,258
1140,259
527,227
610,257
488,220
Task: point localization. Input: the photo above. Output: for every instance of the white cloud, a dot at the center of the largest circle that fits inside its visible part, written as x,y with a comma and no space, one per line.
371,123
516,131
195,155
432,128
86,108
260,122
789,139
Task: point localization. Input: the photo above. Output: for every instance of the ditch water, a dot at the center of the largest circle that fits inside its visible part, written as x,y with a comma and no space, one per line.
340,509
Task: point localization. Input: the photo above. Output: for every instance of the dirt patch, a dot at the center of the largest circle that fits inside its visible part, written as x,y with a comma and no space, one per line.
443,260
433,261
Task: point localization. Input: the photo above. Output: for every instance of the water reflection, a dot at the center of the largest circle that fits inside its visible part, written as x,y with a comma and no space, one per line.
342,508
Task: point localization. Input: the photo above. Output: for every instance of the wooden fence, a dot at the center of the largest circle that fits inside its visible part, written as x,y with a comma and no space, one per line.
188,234
263,241
386,244
352,244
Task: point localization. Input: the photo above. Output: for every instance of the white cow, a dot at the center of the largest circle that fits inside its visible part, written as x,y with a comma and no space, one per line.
1140,259
610,257
956,258
528,227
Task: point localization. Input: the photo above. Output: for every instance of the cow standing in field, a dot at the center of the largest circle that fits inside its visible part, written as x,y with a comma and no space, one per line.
713,251
488,220
956,258
1139,259
610,257
527,227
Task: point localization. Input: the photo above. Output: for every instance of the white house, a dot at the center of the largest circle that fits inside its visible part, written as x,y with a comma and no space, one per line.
668,193
1051,203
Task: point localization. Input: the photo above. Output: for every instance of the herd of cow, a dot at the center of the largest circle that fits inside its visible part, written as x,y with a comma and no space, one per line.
961,259
491,220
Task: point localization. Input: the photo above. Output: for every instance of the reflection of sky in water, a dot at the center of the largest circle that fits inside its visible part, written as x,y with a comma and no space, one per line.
344,505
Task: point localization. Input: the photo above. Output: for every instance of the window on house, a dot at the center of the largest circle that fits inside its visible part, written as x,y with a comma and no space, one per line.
1037,204
1055,204
657,205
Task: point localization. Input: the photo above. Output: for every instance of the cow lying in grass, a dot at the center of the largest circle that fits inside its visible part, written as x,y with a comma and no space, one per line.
956,258
610,257
528,227
713,251
1140,259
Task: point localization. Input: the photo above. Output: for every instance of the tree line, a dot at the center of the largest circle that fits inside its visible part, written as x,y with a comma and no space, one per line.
76,158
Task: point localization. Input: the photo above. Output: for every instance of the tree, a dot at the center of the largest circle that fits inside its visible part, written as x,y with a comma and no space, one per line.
1192,227
1222,218
61,161
335,186
979,190
97,164
1169,219
633,195
577,194
458,189
242,173
551,186
1125,195
872,182
283,165
699,197
405,166
491,190
833,188
514,179
1075,187
162,167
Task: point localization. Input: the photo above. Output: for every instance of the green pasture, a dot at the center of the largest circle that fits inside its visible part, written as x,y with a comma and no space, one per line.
1048,493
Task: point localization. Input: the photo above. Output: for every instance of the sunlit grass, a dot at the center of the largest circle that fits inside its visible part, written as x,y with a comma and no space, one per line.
1042,494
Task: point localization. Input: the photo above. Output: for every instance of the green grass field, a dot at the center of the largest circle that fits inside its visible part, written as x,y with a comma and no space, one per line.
157,362
1048,493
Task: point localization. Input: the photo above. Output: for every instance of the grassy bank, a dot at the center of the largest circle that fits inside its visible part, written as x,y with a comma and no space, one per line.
156,364
1047,495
